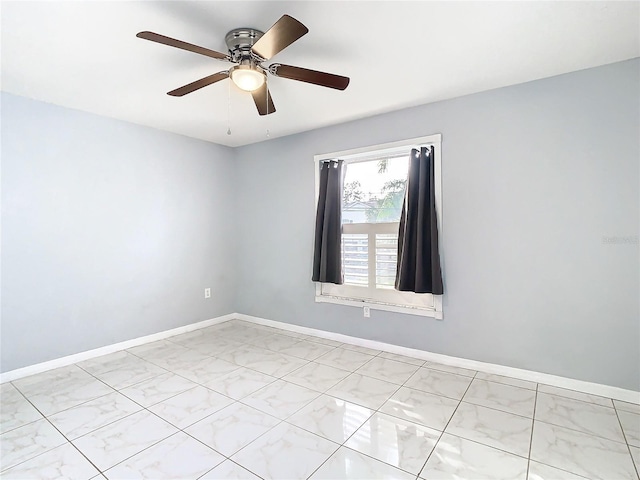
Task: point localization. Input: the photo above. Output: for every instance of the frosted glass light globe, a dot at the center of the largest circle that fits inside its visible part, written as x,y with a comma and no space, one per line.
247,78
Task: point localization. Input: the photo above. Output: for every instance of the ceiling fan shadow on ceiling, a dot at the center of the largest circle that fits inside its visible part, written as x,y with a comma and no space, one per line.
249,49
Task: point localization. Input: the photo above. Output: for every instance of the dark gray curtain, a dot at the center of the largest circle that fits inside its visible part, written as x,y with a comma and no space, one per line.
327,259
418,267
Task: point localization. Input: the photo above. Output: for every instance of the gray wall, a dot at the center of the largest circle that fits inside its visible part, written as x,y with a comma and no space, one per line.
110,231
534,176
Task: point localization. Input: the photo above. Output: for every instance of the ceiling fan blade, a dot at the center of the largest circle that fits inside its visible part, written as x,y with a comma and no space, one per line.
198,84
282,34
172,42
262,99
309,76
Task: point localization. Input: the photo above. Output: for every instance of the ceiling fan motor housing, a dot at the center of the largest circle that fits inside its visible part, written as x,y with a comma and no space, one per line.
240,40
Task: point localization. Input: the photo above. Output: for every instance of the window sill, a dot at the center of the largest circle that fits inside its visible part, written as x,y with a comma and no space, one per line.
422,312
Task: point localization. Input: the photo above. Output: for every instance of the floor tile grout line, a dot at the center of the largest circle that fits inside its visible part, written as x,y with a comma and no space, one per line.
125,386
171,371
26,423
440,395
318,396
143,408
242,466
201,384
467,402
96,398
280,422
375,411
17,387
340,445
44,417
299,340
576,391
636,467
561,469
103,472
590,434
586,402
628,410
523,457
186,433
182,376
435,445
579,431
289,416
368,374
218,377
533,424
408,363
315,363
178,430
107,424
239,401
329,458
69,408
343,444
168,398
235,463
303,358
20,426
96,363
275,426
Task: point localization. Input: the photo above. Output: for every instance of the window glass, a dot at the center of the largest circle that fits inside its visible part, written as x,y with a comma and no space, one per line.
374,190
373,194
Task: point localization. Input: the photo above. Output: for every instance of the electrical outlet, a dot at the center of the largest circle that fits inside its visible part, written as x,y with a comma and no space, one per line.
367,312
207,293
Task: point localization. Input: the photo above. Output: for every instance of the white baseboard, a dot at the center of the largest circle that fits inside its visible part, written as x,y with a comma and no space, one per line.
538,377
116,347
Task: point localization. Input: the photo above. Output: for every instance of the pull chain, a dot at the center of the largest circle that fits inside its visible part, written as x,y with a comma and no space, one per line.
267,119
229,108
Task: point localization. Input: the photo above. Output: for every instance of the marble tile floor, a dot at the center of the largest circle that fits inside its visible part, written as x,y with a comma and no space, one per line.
244,401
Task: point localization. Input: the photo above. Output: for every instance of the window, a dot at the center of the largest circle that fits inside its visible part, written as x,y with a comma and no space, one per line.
373,192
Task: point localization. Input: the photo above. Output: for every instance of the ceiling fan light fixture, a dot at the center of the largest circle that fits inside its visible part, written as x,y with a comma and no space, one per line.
249,49
247,78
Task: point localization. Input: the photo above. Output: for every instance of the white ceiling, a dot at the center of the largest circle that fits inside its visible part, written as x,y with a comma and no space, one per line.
85,55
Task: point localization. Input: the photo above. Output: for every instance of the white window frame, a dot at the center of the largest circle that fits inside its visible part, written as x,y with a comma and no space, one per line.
344,294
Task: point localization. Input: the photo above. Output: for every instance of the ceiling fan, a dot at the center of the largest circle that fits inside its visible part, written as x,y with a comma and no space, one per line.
249,48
